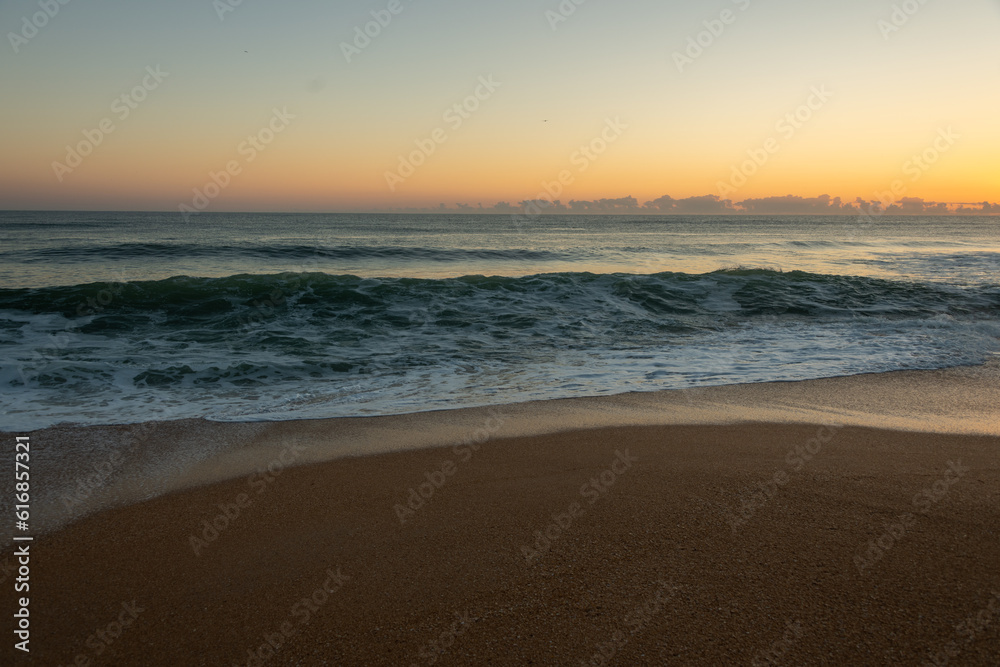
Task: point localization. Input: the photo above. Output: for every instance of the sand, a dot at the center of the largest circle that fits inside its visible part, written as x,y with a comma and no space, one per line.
842,521
651,556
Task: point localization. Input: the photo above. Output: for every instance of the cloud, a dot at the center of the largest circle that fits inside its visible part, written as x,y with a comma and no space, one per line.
704,205
715,205
795,205
620,205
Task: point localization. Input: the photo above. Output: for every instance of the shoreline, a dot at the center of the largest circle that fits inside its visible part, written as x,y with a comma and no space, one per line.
117,465
696,544
849,519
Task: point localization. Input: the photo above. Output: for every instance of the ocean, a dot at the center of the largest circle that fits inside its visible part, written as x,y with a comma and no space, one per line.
110,318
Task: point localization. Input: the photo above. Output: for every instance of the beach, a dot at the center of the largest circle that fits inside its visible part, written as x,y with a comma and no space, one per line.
426,334
802,523
413,441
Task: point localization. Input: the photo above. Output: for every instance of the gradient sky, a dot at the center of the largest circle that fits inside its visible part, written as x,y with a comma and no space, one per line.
891,95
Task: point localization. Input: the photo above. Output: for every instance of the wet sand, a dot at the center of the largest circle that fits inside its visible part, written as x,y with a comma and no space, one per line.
81,470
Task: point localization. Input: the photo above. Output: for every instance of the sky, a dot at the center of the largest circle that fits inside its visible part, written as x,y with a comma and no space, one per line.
236,105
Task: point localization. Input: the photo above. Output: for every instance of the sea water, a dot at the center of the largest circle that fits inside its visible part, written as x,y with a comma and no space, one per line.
127,317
